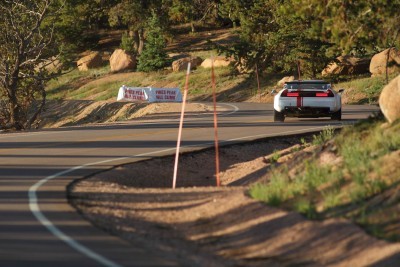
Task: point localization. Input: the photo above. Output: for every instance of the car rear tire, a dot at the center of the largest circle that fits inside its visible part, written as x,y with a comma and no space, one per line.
279,116
337,115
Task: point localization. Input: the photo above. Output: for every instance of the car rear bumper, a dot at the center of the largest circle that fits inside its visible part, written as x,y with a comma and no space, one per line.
307,112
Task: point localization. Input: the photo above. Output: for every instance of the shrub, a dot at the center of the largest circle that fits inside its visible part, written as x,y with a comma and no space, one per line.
127,43
153,56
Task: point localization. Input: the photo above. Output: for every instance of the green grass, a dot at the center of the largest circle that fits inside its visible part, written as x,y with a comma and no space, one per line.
342,189
364,90
275,156
79,85
326,135
231,87
66,84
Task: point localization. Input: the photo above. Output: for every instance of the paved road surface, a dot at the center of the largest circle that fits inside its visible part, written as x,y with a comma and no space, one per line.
39,228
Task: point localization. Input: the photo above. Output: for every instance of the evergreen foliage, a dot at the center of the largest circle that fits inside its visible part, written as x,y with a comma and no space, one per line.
127,43
153,56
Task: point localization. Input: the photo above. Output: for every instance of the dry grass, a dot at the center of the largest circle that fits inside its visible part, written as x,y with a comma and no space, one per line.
353,175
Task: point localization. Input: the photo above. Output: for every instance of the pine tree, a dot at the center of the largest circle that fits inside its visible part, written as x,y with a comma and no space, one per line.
153,56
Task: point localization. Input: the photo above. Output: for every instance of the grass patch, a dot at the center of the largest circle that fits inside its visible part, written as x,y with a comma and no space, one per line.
63,86
365,90
369,154
100,84
326,135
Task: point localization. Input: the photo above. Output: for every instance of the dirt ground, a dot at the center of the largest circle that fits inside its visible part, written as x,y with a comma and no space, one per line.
59,113
204,225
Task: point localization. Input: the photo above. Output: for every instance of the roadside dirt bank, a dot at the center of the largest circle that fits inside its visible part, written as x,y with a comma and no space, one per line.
59,113
202,225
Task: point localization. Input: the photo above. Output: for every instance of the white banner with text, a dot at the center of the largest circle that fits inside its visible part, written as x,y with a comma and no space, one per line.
149,94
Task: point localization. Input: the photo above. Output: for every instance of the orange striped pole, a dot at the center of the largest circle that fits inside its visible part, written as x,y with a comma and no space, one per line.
178,143
215,124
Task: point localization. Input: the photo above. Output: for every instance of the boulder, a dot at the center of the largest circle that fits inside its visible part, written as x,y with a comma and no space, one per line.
121,60
285,79
378,62
347,65
51,65
91,61
218,62
389,100
182,63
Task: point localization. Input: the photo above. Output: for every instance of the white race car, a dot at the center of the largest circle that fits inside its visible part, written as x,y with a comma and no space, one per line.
307,99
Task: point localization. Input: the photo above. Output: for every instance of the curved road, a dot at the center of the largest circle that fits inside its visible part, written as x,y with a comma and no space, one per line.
37,225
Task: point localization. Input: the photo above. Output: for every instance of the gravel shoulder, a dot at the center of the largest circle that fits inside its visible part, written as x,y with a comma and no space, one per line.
204,225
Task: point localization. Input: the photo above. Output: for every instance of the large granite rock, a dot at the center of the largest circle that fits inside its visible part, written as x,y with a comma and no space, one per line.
121,60
91,61
285,79
389,100
347,65
51,65
182,63
390,58
218,62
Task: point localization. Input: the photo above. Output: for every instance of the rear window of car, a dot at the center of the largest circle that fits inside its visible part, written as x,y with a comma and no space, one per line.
318,86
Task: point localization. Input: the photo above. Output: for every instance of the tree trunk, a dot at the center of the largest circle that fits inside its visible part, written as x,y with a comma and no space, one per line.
387,65
15,115
192,27
29,123
216,17
135,36
14,107
141,41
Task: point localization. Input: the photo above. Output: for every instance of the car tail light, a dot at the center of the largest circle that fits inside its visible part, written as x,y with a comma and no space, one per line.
293,94
324,94
290,94
321,94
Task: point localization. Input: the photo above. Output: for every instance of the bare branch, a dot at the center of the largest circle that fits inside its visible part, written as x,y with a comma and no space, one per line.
24,45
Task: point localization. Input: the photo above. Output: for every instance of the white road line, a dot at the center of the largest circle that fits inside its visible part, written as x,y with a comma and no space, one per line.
35,209
34,203
235,109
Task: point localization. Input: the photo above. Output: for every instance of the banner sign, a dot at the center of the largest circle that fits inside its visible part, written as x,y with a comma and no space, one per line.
135,94
149,94
165,95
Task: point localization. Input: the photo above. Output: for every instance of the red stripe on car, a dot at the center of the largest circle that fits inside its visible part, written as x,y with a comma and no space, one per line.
299,101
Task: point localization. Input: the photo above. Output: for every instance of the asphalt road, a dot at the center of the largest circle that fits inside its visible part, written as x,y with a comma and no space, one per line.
37,225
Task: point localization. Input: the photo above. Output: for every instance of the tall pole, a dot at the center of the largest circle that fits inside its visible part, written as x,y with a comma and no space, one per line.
215,124
178,143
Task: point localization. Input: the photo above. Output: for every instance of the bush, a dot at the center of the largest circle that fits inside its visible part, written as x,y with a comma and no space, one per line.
127,43
153,56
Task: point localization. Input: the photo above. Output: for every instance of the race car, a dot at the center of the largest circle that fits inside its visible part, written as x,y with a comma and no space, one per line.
307,99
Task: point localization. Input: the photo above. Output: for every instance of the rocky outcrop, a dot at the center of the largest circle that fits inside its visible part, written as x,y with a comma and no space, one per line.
218,62
389,100
285,79
121,60
389,58
51,65
91,61
182,63
347,65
